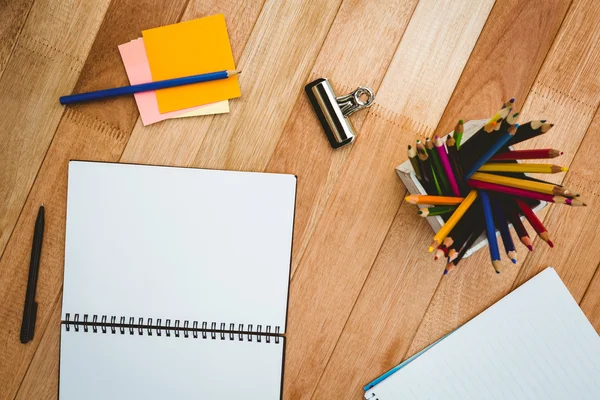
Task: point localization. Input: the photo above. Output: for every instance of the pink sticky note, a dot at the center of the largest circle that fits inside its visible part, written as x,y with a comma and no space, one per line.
138,71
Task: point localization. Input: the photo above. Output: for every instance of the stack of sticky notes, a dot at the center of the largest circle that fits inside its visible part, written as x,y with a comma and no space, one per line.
188,48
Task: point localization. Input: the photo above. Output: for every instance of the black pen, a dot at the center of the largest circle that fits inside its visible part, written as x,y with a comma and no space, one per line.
30,310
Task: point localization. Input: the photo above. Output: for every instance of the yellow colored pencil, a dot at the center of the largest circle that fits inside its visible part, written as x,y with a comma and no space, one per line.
534,186
523,167
453,220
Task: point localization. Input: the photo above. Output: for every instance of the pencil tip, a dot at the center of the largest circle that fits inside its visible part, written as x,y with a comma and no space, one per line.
460,121
445,272
430,249
530,247
550,243
42,205
564,169
514,261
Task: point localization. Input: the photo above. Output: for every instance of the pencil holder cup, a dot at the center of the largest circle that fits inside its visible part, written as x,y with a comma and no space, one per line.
407,174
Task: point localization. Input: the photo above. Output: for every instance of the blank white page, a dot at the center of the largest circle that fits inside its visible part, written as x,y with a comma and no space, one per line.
179,244
122,366
536,343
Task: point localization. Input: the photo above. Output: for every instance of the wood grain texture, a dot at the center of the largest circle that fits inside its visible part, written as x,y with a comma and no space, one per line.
14,14
46,61
367,195
403,278
364,293
94,132
571,108
303,148
516,61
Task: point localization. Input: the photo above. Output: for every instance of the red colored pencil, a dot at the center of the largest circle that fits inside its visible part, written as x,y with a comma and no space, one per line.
523,193
534,154
534,221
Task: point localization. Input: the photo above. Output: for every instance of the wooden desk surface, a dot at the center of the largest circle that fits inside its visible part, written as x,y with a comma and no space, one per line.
364,292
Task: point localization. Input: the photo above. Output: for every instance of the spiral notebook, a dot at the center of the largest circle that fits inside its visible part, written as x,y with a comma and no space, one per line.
536,343
176,282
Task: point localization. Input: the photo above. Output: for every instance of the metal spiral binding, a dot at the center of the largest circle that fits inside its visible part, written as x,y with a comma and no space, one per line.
177,328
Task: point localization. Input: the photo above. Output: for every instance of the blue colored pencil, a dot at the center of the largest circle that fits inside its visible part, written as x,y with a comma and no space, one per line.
491,231
145,87
502,224
492,150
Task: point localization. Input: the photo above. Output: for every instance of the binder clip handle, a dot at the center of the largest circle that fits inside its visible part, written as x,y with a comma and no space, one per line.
352,102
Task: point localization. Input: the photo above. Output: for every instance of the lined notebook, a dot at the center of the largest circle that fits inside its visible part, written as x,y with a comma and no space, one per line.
176,282
536,343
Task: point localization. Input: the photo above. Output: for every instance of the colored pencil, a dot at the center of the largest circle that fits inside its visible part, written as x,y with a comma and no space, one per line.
493,149
502,224
523,167
455,259
532,154
534,221
497,119
438,170
524,193
453,220
508,121
454,158
458,133
459,234
442,249
146,87
433,200
521,231
412,156
441,151
530,130
547,188
518,175
491,232
433,211
425,165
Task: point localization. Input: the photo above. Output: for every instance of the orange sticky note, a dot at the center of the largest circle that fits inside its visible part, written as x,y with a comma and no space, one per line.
189,48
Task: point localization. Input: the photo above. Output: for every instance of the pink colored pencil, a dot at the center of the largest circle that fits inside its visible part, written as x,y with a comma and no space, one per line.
439,146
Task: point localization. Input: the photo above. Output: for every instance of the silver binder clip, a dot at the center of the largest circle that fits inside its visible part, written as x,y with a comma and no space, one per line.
333,111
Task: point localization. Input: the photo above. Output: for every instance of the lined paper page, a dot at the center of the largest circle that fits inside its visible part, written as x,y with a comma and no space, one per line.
178,243
536,343
122,366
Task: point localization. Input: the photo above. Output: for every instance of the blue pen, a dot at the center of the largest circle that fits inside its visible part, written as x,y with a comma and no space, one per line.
145,87
493,149
491,231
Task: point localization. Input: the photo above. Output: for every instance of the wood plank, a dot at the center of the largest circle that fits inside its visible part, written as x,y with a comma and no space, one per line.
41,381
14,14
176,141
403,278
46,62
436,44
303,148
565,92
591,301
274,70
96,131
